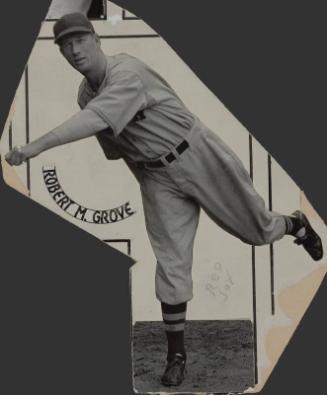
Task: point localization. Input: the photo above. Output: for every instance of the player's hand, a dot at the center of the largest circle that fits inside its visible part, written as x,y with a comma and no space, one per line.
16,156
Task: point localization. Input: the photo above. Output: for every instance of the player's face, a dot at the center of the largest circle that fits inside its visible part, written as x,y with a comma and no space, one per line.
81,51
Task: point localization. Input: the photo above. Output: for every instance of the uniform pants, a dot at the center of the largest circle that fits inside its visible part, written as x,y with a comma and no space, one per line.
210,176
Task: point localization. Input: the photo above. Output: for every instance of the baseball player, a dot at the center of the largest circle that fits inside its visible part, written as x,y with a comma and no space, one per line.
180,164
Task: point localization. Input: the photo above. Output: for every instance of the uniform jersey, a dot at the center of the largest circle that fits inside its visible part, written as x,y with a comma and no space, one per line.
145,117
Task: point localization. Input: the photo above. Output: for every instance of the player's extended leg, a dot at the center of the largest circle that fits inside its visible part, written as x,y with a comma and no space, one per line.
224,189
171,221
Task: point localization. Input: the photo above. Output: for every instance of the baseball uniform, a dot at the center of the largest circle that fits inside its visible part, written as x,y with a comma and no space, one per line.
181,166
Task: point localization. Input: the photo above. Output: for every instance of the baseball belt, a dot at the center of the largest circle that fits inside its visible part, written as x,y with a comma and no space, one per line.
169,157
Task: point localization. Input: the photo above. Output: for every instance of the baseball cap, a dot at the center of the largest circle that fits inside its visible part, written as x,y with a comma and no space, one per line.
71,23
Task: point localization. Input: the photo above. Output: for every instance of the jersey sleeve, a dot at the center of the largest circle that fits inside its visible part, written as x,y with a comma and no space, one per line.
119,101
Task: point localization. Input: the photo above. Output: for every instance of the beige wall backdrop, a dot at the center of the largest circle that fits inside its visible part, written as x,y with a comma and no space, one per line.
227,276
60,7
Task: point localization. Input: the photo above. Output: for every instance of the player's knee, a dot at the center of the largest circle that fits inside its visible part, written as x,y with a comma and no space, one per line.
261,238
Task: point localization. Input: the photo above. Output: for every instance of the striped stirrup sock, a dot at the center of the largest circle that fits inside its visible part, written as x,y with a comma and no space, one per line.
174,317
294,226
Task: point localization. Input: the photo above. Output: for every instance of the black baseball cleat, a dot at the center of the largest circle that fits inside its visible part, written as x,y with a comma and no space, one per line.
174,372
311,240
